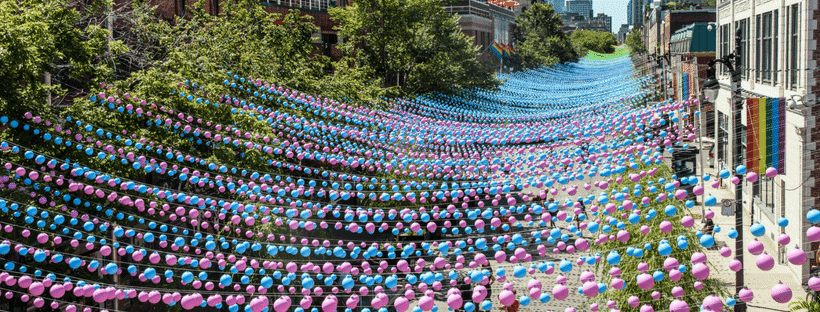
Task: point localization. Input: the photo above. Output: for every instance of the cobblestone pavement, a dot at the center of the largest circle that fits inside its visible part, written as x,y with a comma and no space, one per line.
760,282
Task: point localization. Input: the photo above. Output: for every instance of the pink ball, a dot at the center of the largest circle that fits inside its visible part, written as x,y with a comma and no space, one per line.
507,298
713,303
735,265
633,301
755,247
617,283
781,293
666,227
698,257
671,264
813,233
645,281
678,306
700,271
330,303
771,172
751,176
677,291
587,276
454,301
726,251
643,267
623,236
401,304
590,289
675,275
764,261
796,256
814,283
784,239
647,308
560,292
687,221
680,194
745,295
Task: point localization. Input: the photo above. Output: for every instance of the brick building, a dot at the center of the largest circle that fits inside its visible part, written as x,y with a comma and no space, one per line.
486,23
675,20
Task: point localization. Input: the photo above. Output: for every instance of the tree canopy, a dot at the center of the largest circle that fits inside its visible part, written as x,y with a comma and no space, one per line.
592,40
541,41
634,41
411,45
39,37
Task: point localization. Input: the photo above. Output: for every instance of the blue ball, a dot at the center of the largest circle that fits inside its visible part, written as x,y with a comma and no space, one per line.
707,240
813,216
732,234
741,169
758,229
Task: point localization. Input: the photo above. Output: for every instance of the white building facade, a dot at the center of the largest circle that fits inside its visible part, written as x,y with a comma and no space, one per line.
779,43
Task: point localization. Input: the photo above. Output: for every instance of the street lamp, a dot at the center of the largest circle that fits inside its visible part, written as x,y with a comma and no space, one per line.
710,89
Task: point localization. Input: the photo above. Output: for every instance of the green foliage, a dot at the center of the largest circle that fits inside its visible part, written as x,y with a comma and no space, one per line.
804,305
36,36
541,41
410,46
243,39
591,40
635,42
629,264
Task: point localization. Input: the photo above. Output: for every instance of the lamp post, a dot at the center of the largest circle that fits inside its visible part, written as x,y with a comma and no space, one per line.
659,58
710,89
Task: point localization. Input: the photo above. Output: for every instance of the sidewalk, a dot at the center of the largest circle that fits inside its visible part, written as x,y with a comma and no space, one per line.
758,281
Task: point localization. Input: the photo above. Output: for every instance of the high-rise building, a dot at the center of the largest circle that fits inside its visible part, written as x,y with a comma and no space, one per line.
582,7
558,5
623,32
635,12
606,19
629,13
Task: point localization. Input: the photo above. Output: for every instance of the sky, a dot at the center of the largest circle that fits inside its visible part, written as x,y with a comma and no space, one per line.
614,8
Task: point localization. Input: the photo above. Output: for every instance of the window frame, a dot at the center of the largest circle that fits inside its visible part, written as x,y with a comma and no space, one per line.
793,46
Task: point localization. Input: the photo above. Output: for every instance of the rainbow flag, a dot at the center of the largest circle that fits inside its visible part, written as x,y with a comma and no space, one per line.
497,50
511,50
766,134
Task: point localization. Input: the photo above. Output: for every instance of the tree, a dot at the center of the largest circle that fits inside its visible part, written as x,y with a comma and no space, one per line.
541,41
244,38
592,40
411,46
39,37
656,262
635,42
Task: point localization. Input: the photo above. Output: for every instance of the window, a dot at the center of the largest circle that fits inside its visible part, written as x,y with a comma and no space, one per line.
710,126
758,44
767,48
767,196
723,135
774,60
792,43
724,45
744,46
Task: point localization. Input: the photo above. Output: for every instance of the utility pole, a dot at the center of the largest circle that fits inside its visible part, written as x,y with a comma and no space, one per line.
737,101
733,63
700,147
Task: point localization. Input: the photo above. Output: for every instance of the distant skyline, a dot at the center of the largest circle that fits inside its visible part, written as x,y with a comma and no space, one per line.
614,8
